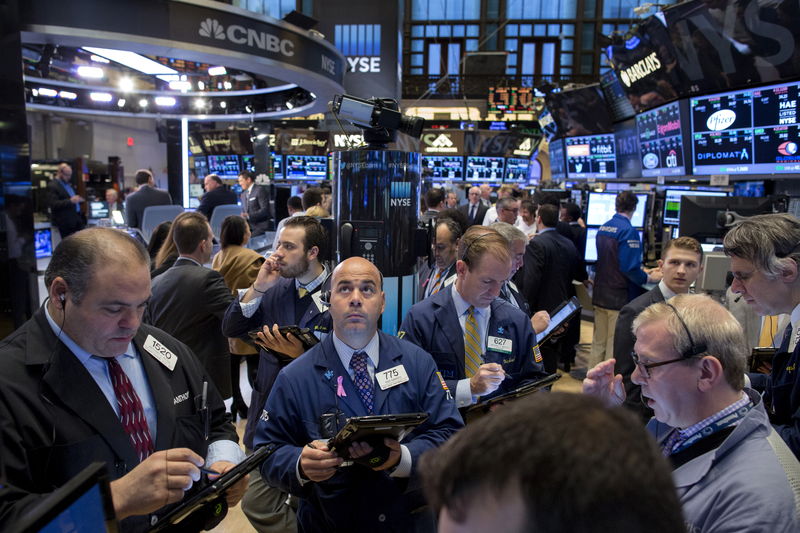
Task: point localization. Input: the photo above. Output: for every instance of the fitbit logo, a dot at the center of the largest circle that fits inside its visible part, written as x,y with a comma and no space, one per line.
212,29
400,194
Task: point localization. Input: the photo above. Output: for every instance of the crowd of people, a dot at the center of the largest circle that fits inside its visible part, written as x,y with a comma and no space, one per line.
130,360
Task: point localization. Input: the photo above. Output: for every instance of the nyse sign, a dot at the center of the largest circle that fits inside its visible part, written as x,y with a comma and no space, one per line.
363,64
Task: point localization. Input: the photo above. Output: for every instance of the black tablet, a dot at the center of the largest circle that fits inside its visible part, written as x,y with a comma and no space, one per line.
214,488
559,317
481,408
368,428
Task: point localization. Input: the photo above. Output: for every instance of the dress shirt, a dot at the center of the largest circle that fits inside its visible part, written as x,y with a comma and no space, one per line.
131,363
795,321
249,308
71,193
666,292
464,395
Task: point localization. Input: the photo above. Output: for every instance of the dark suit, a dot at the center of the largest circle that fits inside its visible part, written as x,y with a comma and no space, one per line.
219,196
189,302
55,420
426,277
550,265
63,213
259,213
623,347
480,213
137,202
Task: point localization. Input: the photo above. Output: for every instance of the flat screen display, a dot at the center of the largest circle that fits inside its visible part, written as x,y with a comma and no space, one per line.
558,162
306,167
672,203
224,166
602,206
516,170
626,137
43,242
754,131
580,111
591,244
593,156
750,189
481,168
547,124
442,167
277,165
98,210
618,103
661,141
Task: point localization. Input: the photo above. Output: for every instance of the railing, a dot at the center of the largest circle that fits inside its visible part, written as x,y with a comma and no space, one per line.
477,86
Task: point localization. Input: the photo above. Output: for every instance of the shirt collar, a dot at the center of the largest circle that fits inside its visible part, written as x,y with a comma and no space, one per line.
545,230
345,352
795,315
187,258
462,305
82,355
312,285
735,406
666,292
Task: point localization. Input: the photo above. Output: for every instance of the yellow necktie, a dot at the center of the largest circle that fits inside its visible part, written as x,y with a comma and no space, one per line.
472,344
302,291
768,331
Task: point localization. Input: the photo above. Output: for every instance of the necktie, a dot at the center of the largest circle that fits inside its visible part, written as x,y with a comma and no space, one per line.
364,385
302,291
472,213
787,337
472,344
131,413
768,331
434,287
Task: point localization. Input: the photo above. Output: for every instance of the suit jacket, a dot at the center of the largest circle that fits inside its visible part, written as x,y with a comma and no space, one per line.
480,213
549,267
189,302
356,499
137,202
426,275
211,199
433,325
63,213
623,347
55,420
256,205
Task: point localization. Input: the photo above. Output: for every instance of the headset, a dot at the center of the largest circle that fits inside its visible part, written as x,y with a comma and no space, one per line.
476,239
325,295
694,349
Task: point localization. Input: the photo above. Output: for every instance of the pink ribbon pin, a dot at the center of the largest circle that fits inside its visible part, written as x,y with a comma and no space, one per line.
339,387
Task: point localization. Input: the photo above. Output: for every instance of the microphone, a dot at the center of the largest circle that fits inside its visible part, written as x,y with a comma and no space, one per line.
736,300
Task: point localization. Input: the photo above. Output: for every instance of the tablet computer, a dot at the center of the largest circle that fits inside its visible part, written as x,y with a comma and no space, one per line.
215,488
479,409
372,428
559,317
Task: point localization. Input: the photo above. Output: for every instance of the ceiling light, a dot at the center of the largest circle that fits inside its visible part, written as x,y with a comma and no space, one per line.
143,102
312,95
165,101
90,72
98,59
180,85
217,71
121,102
100,97
199,103
126,85
44,91
35,92
67,95
132,60
201,85
227,85
289,105
169,77
223,105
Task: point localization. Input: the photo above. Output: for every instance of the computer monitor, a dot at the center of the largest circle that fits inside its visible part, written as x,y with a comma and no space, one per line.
699,214
672,203
590,256
306,167
751,189
592,156
82,505
43,242
516,170
558,162
485,169
98,210
442,167
661,132
224,166
602,206
248,163
277,165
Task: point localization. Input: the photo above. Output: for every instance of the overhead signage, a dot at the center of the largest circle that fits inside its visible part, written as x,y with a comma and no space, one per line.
640,69
661,140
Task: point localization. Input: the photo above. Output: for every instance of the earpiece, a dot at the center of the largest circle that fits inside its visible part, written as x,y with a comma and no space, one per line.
63,300
325,298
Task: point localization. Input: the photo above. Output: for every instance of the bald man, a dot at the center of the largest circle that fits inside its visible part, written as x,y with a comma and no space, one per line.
350,374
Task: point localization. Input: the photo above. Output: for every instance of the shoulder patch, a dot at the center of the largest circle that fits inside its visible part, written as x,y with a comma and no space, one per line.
537,354
401,334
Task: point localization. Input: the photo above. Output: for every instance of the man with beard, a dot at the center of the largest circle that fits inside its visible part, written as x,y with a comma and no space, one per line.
287,291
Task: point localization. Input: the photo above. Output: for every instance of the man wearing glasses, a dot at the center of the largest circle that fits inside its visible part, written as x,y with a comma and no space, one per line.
731,469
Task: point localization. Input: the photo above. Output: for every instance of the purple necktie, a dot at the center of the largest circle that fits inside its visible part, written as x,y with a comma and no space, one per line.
364,385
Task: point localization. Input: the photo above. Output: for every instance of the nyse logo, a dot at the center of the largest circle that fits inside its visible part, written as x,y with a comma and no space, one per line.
364,64
328,65
400,194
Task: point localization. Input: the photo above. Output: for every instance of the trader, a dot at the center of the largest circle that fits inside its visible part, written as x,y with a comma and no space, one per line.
349,374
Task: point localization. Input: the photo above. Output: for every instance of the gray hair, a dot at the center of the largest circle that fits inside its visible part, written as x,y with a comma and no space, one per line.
506,203
76,258
709,323
510,233
770,242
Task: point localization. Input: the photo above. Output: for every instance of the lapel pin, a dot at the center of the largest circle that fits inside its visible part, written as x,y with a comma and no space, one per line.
329,374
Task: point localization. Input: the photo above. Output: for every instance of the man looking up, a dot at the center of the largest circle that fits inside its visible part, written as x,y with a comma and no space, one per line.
286,292
85,380
345,376
482,345
680,264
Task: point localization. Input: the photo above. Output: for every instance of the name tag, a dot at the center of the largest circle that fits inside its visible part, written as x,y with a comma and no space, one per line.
160,352
391,377
499,344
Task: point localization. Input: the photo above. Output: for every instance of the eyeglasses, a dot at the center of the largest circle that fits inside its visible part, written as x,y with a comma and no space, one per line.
694,350
644,368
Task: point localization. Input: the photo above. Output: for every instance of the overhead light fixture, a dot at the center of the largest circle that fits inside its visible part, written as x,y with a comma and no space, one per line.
132,60
165,101
217,71
312,95
98,59
44,91
223,105
169,78
35,92
126,85
67,95
121,102
100,97
201,85
143,102
289,105
90,72
180,85
199,103
227,85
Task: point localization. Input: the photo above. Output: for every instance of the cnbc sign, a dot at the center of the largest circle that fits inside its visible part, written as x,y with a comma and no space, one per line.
268,42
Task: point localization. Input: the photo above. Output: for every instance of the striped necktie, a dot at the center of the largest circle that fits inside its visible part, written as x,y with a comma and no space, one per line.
435,282
472,344
131,413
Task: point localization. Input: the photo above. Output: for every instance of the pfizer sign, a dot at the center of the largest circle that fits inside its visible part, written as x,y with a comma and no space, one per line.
721,120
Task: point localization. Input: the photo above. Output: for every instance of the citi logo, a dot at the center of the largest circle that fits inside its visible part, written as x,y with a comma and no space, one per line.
442,141
212,29
721,120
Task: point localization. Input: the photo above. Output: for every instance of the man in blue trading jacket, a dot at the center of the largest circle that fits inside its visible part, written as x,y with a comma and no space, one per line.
483,345
765,251
618,274
346,376
286,292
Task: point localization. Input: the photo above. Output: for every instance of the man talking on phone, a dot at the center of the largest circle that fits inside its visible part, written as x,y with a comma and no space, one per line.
356,371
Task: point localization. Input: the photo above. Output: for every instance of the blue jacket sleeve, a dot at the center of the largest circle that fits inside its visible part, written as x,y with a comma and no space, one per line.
235,324
630,256
414,333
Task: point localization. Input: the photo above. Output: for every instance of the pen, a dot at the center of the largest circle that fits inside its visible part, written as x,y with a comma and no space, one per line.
204,410
208,471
